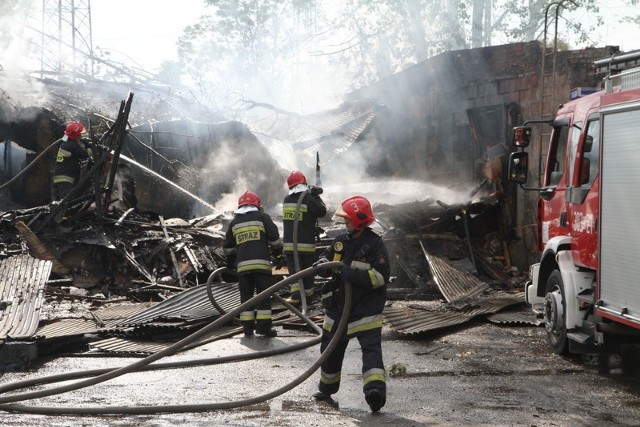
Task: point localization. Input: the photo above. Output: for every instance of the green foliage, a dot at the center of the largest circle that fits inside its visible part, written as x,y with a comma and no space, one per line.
260,47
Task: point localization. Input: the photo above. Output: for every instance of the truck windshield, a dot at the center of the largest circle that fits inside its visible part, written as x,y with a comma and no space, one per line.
591,153
556,157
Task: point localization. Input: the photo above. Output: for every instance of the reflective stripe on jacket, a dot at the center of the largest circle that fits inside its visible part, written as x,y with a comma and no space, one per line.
250,239
310,210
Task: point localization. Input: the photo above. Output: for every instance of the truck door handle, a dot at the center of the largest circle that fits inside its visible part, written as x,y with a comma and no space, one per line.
563,219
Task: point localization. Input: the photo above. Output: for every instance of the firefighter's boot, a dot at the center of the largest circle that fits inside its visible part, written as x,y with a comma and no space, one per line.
376,399
248,328
322,396
268,332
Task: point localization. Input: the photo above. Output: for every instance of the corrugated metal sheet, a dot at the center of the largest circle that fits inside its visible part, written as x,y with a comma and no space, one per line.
412,320
408,320
141,347
285,134
129,346
66,327
109,316
521,317
22,285
454,284
191,305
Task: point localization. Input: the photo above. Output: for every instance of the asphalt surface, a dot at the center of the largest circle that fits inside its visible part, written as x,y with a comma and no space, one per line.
477,374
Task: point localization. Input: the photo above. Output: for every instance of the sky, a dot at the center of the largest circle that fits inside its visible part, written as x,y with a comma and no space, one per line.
146,31
613,33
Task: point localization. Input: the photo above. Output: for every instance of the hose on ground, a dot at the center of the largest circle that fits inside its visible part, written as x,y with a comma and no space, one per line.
144,364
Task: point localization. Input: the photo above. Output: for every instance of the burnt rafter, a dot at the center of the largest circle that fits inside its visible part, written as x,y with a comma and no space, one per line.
109,151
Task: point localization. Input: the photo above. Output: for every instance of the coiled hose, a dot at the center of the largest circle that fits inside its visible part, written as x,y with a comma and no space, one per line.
102,375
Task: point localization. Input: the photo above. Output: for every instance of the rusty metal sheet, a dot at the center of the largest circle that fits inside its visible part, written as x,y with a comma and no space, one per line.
454,284
191,305
108,316
66,327
126,345
22,285
523,316
408,320
413,320
123,345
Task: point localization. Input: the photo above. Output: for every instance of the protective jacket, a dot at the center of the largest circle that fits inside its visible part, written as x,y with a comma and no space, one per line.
67,167
367,261
250,238
311,208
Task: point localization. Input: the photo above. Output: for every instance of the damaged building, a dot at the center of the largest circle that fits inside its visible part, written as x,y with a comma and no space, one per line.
426,145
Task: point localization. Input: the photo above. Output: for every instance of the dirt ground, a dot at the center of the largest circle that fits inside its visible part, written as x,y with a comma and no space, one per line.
477,374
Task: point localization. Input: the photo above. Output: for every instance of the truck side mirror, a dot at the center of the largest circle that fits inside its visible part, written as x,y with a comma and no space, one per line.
585,166
588,143
521,136
518,167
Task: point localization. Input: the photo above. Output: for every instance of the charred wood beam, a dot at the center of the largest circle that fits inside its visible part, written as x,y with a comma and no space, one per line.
95,170
132,260
173,255
197,266
159,248
120,130
97,185
39,249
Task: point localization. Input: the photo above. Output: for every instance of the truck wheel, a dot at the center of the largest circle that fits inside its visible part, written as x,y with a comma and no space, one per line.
554,314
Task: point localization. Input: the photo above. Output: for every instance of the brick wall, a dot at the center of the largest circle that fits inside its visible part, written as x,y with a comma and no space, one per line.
426,131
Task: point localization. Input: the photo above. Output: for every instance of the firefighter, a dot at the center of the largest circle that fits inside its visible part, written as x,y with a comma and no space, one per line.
310,209
366,261
251,240
71,153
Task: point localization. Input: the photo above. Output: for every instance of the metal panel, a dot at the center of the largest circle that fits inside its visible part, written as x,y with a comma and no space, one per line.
191,305
454,284
66,328
620,206
415,320
22,284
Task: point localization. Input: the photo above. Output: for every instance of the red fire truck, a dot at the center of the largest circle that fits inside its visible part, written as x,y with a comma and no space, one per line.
586,286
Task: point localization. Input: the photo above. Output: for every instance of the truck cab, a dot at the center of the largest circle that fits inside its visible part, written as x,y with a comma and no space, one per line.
585,285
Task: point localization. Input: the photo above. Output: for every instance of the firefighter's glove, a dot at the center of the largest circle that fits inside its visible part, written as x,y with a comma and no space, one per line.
320,261
348,275
231,262
280,261
315,191
329,287
322,271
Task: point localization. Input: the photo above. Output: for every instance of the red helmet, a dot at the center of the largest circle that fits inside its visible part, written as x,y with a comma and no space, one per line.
249,198
295,178
358,210
74,130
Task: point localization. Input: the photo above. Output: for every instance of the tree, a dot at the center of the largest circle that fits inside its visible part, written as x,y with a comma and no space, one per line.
260,48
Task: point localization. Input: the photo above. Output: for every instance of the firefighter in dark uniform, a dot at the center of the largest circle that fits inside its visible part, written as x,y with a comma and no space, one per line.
366,261
250,242
310,209
68,161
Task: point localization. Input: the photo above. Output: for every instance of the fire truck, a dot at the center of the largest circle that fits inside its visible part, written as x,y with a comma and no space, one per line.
586,286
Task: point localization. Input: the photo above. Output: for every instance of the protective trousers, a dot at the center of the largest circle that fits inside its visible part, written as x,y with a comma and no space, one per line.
305,261
373,373
258,317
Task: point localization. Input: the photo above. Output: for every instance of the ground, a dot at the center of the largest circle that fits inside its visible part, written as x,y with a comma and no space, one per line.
477,374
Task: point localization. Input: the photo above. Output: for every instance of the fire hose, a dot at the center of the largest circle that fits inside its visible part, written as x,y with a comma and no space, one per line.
101,375
296,257
32,163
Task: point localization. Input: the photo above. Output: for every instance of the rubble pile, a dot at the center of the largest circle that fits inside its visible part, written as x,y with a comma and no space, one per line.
117,256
